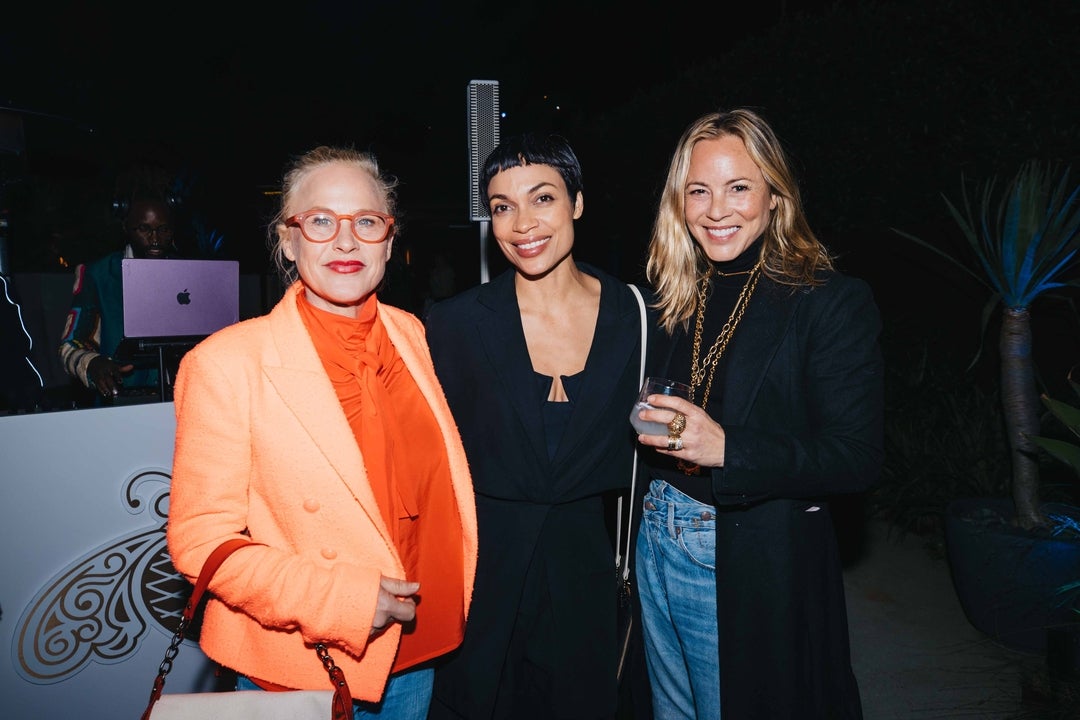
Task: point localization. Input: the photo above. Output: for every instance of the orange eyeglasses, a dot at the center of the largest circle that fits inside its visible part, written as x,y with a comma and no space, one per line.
319,226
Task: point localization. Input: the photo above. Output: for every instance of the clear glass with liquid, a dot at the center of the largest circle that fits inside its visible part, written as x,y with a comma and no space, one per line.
655,386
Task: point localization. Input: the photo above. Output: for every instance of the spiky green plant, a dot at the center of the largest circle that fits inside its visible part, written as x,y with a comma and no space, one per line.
1069,415
944,438
1024,242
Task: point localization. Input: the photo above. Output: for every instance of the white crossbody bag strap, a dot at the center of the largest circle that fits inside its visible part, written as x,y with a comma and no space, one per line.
620,552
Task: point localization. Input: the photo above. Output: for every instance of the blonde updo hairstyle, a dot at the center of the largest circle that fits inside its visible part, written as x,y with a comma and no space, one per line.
792,253
300,168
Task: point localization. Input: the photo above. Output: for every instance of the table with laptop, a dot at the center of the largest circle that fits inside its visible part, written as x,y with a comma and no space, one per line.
169,306
108,493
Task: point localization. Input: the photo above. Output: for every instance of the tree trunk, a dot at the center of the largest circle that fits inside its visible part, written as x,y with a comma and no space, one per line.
1020,402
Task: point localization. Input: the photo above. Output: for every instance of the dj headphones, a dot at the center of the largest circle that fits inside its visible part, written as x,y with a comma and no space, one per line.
145,180
121,205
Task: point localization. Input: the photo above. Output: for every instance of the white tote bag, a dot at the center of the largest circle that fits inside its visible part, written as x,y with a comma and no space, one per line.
245,705
335,704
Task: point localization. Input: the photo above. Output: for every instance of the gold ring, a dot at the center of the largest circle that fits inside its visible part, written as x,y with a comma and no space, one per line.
677,425
674,443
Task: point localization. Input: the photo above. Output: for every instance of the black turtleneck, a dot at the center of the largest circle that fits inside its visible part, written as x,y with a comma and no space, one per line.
726,283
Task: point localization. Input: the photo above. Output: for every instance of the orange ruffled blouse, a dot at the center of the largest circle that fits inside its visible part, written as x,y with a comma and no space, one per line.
406,465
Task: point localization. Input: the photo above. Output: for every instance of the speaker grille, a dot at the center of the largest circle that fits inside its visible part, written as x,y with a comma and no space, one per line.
483,112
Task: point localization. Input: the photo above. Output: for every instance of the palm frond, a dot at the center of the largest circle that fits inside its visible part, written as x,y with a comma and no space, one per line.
981,279
1024,239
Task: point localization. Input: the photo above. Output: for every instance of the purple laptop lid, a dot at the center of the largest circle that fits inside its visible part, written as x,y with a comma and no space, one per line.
179,298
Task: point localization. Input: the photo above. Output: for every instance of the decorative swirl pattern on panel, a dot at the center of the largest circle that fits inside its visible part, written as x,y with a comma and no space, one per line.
100,606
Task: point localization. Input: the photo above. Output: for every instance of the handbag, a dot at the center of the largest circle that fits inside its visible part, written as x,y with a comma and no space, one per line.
623,590
243,704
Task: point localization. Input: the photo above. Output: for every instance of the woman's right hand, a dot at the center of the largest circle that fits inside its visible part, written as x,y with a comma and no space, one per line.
396,603
704,441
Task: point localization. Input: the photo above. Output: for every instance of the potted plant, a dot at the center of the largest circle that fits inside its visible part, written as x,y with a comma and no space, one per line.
1024,243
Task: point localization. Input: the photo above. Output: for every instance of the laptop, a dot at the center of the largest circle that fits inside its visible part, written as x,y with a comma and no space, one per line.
167,298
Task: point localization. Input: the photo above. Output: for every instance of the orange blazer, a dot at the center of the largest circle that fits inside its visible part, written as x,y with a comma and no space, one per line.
263,448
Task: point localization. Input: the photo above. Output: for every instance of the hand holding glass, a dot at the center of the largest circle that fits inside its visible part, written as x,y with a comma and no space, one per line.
655,386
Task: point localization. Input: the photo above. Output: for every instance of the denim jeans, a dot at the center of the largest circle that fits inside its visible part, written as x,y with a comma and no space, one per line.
676,584
407,696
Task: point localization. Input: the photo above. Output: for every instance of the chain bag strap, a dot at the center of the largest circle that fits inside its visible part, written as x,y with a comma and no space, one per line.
341,703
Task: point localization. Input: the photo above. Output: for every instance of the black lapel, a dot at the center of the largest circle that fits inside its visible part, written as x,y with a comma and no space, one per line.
503,341
755,344
614,345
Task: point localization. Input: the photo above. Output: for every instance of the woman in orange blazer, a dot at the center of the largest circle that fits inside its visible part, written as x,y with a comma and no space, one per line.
320,432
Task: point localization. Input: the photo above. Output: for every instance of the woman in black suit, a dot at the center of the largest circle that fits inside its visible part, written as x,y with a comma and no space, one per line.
540,367
786,411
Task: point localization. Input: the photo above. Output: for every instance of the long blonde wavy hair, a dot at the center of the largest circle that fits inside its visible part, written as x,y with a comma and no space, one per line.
792,253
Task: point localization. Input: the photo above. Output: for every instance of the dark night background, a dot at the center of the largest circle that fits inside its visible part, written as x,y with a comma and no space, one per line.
883,105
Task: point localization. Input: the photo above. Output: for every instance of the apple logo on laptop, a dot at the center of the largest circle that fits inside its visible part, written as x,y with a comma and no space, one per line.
183,297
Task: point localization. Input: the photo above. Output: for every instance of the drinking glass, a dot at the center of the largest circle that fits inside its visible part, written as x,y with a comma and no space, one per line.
655,386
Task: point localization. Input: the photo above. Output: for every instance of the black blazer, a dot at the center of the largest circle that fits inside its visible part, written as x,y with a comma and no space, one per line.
802,407
544,547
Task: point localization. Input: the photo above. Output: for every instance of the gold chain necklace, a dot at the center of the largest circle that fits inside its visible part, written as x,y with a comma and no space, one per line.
705,370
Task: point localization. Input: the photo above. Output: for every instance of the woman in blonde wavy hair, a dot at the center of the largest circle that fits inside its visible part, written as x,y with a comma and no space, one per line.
738,569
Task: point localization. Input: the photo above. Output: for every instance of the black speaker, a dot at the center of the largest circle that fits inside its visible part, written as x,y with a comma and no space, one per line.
483,111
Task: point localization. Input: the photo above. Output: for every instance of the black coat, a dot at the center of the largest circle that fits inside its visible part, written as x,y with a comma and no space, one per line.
544,543
802,409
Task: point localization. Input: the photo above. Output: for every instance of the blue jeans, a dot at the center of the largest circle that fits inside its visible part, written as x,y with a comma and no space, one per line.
676,584
407,696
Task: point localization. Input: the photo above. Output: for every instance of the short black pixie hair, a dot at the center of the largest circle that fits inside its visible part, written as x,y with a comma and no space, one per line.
531,149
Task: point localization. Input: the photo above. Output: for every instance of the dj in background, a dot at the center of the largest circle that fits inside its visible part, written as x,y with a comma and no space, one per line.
94,326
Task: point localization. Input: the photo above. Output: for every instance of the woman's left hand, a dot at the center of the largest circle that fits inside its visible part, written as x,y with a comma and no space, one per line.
395,604
703,439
